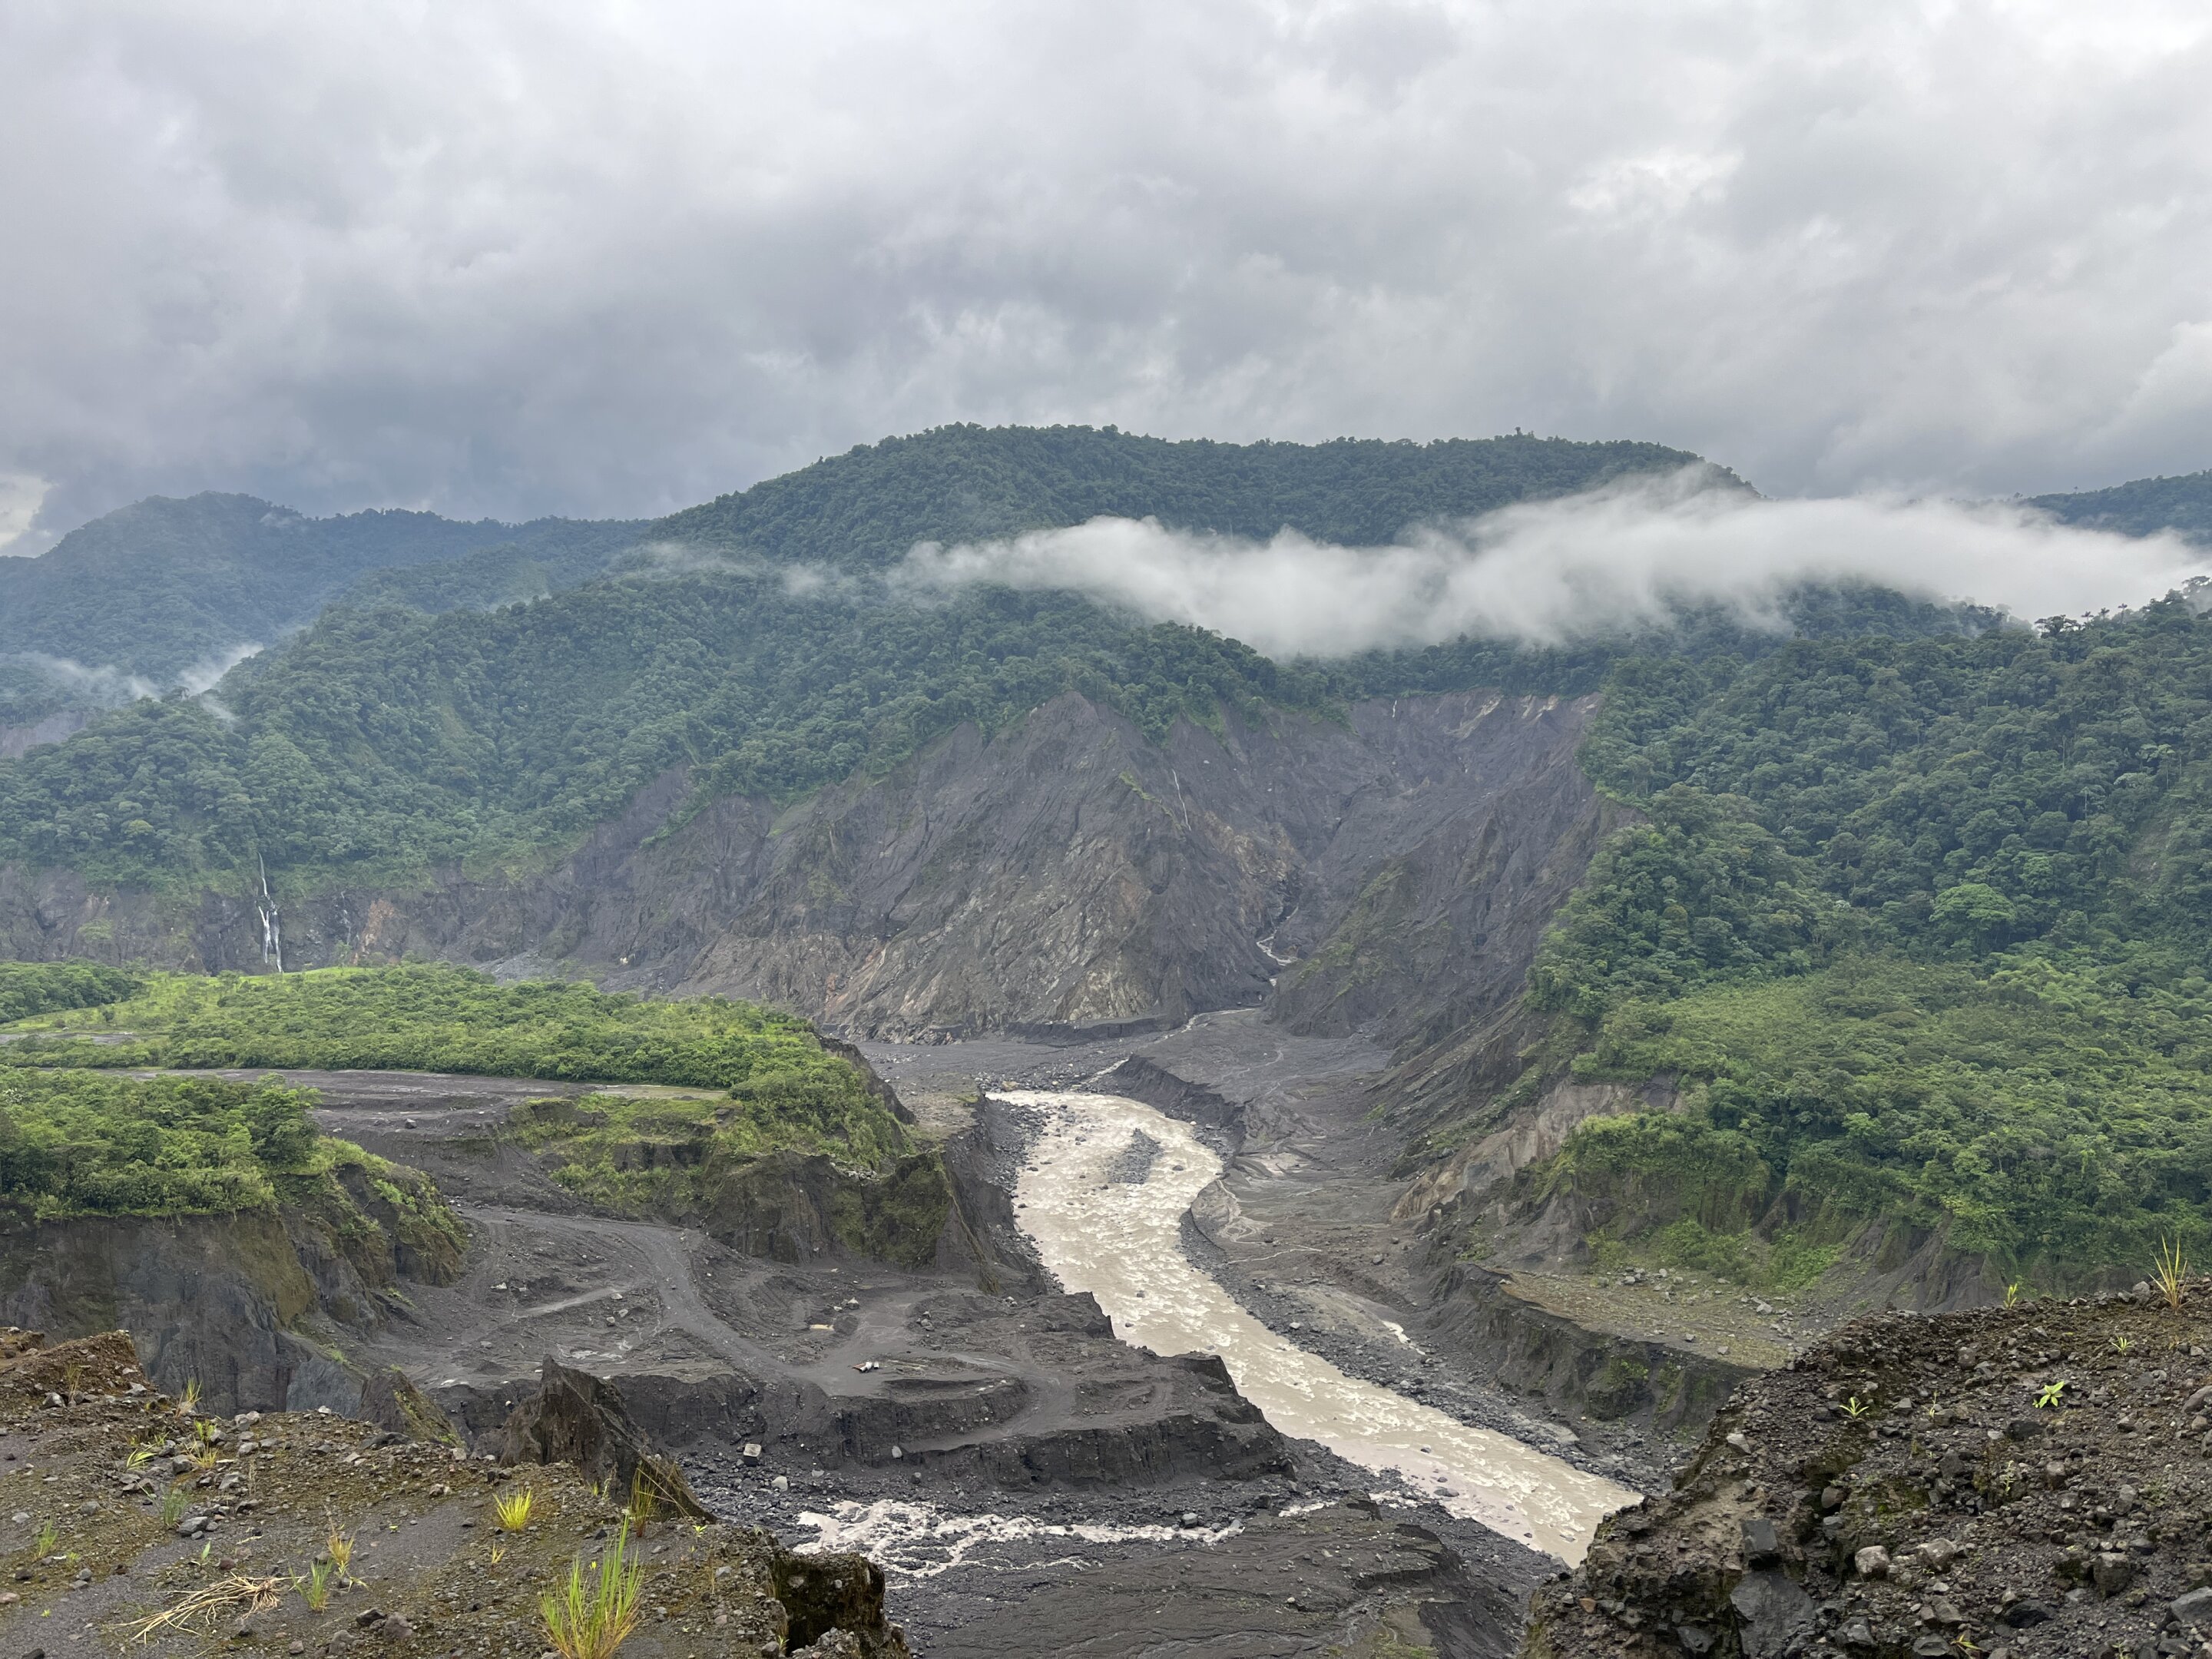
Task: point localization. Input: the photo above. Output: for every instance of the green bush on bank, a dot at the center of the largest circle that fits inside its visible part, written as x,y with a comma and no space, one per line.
782,1087
39,988
84,1143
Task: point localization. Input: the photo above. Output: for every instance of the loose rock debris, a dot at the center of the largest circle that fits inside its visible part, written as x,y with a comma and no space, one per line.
2008,1483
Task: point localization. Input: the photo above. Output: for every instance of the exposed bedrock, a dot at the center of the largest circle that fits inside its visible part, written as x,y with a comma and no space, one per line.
574,1417
251,1307
1398,865
981,1234
18,740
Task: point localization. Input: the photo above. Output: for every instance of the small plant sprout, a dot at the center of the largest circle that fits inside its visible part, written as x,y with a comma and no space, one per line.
590,1617
498,1553
2170,1272
2049,1395
2122,1344
338,1546
315,1587
1856,1407
189,1401
141,1456
642,1503
48,1535
512,1509
173,1506
2013,1294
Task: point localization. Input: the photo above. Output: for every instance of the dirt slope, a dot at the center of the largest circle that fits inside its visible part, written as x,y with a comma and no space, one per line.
2029,1482
99,1543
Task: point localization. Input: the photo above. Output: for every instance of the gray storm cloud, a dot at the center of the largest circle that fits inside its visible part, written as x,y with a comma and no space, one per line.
596,258
1588,564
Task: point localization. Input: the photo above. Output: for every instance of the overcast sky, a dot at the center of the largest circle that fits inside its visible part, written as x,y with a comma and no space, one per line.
611,258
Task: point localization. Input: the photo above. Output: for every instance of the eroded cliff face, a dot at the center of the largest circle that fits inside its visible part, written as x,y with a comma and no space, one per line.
254,1308
1396,867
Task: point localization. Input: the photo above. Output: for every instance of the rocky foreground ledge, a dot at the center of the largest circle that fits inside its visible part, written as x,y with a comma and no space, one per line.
2005,1483
121,1508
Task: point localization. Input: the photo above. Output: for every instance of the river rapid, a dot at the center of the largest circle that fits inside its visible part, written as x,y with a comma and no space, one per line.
1121,1240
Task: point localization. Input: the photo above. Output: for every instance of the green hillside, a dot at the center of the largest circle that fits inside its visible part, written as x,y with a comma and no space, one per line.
154,588
80,1134
2141,507
1924,931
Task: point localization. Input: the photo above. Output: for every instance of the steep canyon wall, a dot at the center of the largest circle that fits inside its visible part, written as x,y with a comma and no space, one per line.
1392,870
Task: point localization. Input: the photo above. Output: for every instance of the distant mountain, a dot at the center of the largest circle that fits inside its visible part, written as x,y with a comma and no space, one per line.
868,506
154,588
2142,507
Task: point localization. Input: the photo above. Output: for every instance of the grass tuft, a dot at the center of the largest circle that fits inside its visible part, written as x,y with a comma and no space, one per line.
2170,1272
589,1616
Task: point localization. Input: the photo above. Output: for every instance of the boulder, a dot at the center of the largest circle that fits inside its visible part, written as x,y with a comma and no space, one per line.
397,1406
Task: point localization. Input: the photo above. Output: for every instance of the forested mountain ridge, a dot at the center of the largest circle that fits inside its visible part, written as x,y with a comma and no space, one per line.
2140,507
384,741
162,587
868,507
151,590
1909,906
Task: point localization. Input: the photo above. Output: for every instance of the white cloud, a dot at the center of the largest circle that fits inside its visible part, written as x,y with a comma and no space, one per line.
109,686
595,257
19,497
1594,563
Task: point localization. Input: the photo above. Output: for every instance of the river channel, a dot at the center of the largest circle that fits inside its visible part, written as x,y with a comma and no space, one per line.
1121,1239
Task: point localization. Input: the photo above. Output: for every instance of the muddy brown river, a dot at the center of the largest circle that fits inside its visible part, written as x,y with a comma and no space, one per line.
1122,1241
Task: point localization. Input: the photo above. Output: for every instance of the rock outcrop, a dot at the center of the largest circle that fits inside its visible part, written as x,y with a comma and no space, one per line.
395,1405
578,1419
253,1308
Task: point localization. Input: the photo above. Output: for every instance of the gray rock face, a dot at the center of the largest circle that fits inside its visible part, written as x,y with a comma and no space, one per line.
1773,1608
1065,874
206,1299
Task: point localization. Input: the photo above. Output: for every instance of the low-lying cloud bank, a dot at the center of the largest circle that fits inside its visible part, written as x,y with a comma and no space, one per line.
1611,560
106,686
